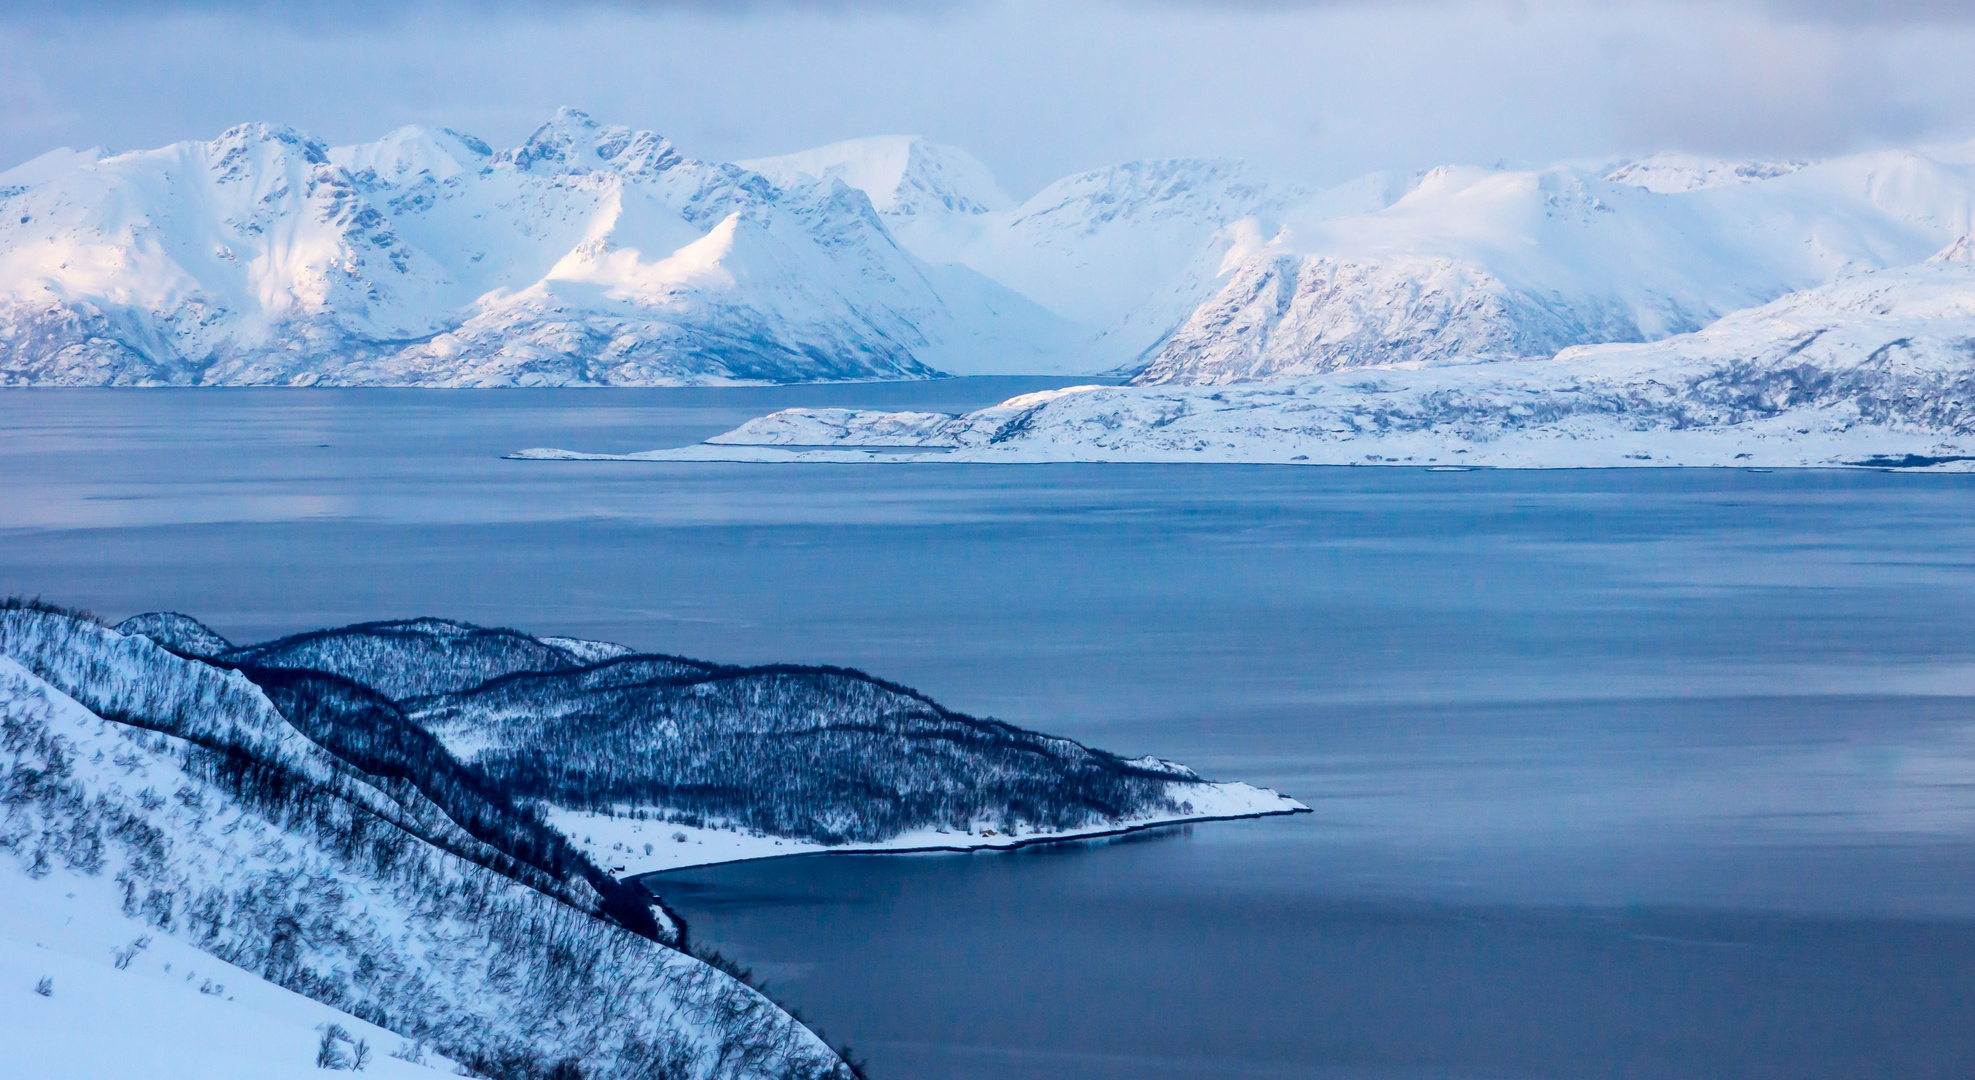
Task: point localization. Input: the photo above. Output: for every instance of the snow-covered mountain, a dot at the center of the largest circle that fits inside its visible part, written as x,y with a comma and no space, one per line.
907,177
1475,264
1877,369
591,254
334,838
595,254
1104,250
1210,272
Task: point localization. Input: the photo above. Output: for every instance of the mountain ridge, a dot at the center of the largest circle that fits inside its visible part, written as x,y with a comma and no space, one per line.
596,254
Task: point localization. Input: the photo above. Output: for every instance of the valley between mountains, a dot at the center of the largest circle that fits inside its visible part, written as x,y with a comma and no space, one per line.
408,844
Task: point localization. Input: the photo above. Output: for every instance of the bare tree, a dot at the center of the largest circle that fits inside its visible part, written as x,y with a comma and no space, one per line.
327,1055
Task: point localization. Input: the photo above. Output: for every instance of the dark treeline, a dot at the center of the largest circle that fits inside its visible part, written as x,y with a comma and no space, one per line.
412,657
831,755
369,731
824,754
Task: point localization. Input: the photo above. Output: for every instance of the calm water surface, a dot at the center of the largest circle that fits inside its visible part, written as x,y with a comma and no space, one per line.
1616,774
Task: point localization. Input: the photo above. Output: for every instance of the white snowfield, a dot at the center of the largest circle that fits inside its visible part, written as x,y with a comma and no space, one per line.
597,255
171,1013
1876,369
630,845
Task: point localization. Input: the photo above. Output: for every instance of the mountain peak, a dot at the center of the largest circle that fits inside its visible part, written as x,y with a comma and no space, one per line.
412,151
1670,174
904,175
573,141
233,150
1961,251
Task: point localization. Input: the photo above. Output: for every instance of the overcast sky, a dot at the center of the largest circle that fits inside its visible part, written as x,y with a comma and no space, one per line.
1320,89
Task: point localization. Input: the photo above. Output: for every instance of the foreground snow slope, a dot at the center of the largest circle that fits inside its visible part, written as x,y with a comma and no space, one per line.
256,861
591,254
1880,366
170,1013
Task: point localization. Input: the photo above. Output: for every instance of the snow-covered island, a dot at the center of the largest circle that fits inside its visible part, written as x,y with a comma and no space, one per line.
410,843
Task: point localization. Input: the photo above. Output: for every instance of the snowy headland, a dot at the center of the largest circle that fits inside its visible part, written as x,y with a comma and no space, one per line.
632,846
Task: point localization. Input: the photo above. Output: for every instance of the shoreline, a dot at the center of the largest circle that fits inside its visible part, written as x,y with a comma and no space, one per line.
803,458
974,849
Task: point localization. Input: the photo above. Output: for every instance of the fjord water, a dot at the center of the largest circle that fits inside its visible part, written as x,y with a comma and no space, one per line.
1651,773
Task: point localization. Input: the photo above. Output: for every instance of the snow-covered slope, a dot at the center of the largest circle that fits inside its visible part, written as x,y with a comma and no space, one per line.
906,176
1477,264
1108,251
591,254
199,821
1877,369
1200,271
1671,173
166,1010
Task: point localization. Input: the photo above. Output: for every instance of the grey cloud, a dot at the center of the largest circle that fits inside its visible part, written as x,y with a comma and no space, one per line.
1037,89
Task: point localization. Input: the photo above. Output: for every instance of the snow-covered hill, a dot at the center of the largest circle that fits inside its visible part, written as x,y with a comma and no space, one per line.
169,1012
181,810
742,760
1877,369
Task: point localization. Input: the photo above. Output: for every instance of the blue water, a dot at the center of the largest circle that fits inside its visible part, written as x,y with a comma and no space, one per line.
1653,773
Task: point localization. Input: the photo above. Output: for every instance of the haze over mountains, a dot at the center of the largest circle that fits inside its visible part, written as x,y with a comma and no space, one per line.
597,255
